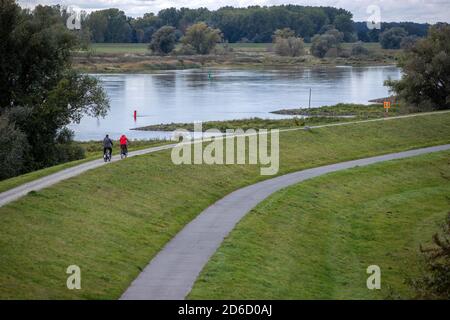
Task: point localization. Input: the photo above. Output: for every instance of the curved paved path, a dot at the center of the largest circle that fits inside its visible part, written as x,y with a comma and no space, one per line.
173,271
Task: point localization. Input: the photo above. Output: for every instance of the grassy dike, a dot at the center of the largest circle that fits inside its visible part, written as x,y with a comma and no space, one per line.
315,240
112,220
93,149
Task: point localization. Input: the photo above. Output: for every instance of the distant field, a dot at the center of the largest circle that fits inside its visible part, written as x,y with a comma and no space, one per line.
242,47
120,47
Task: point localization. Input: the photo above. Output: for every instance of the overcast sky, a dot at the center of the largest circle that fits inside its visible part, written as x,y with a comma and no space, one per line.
391,10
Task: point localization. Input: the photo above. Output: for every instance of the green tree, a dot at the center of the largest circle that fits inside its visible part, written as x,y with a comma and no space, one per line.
39,92
392,38
163,40
324,43
425,83
202,38
344,24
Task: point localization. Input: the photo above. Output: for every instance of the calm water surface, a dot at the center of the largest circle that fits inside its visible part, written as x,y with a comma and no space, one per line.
192,95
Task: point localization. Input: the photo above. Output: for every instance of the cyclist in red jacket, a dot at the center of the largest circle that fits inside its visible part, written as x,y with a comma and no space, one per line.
124,146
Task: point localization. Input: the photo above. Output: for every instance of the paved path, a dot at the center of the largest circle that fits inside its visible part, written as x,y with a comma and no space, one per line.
172,273
41,183
44,182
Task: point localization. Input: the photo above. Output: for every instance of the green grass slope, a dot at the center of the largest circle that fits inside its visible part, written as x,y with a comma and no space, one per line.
112,220
315,240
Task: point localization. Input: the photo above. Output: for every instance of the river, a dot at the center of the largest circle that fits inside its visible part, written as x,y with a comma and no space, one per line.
202,95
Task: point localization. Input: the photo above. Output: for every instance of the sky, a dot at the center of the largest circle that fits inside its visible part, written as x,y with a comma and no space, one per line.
430,11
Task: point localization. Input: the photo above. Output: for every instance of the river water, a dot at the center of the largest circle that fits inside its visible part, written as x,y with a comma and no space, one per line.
202,95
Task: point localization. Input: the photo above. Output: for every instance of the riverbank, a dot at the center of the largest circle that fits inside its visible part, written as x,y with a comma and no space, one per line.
135,58
302,117
375,110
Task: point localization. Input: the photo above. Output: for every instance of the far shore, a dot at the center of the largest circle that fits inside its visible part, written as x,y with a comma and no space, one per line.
135,58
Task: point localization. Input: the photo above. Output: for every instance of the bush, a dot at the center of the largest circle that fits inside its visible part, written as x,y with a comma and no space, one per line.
435,284
321,44
359,50
185,50
408,42
291,46
13,149
392,38
65,149
202,38
163,40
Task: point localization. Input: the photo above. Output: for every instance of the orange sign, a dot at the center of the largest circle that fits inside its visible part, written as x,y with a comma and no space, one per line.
387,104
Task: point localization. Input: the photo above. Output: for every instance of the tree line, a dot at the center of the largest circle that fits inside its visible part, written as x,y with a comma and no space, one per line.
254,24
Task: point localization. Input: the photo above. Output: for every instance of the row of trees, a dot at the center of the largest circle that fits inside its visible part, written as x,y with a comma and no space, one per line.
40,94
199,39
252,24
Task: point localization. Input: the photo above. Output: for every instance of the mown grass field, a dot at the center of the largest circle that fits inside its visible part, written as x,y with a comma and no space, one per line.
112,220
315,240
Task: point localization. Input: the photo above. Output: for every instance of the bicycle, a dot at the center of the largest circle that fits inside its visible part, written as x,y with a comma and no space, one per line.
107,156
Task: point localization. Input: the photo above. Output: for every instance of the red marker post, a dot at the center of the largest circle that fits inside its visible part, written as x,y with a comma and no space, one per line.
135,115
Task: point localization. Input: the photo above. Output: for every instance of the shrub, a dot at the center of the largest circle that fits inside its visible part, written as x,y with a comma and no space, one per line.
65,149
391,39
13,149
321,44
163,40
292,46
435,283
202,38
359,50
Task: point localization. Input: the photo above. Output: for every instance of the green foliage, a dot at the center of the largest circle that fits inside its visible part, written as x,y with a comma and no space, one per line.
284,33
344,24
202,38
163,40
328,42
392,38
39,92
435,283
426,72
359,50
13,149
292,46
110,25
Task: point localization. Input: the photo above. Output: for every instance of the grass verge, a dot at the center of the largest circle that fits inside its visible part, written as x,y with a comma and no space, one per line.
93,151
316,239
112,220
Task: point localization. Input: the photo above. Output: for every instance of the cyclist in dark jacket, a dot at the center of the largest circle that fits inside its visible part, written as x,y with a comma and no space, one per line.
107,145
